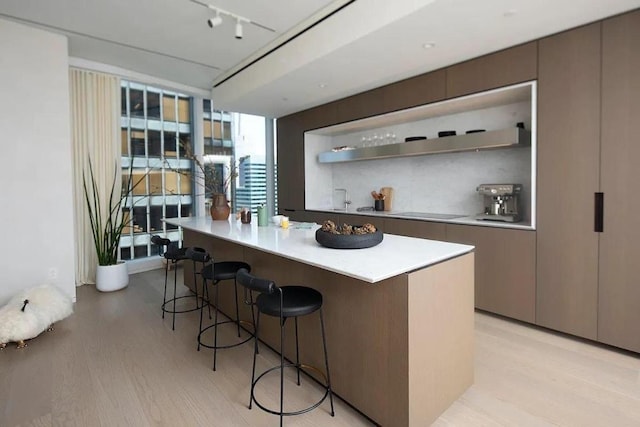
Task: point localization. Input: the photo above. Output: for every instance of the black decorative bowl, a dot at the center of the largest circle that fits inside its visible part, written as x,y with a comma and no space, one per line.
348,241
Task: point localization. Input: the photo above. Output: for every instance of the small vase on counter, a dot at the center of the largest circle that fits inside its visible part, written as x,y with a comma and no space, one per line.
220,207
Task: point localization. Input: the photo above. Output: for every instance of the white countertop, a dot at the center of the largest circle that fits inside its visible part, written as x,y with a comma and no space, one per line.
393,256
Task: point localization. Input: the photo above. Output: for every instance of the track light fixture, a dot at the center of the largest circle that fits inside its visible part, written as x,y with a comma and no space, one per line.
215,21
240,20
238,29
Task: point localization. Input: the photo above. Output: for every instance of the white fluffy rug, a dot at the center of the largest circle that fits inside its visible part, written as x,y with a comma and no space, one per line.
31,312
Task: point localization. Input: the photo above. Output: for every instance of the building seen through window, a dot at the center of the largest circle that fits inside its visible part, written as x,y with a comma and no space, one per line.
157,134
154,122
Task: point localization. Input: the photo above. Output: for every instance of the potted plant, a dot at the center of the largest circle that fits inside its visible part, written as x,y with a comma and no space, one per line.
107,224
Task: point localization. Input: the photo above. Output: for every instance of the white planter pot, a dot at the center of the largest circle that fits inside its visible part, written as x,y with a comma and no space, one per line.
112,277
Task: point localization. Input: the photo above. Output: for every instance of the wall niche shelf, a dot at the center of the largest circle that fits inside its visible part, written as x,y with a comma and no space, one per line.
504,138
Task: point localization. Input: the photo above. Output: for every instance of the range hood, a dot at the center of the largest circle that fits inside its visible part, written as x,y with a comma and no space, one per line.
505,138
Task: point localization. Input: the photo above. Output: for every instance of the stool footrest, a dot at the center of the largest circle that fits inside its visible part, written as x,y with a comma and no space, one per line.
242,322
186,310
301,411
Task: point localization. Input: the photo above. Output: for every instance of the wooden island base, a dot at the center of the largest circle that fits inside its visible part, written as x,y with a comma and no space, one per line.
400,350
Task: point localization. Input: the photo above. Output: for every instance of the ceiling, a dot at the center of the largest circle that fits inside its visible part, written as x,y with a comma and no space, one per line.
300,53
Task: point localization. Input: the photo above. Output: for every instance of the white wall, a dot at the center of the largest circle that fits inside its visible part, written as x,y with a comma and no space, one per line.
36,212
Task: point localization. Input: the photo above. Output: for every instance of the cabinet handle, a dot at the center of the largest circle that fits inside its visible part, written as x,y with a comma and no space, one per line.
599,213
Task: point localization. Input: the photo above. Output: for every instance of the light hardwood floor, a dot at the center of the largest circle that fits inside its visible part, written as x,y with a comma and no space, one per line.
115,362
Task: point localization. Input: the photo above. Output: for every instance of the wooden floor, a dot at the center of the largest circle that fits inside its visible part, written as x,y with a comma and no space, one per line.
115,362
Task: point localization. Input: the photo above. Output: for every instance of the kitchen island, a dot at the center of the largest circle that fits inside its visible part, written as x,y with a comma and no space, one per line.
399,316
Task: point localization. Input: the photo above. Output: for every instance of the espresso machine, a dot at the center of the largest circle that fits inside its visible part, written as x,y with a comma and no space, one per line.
501,202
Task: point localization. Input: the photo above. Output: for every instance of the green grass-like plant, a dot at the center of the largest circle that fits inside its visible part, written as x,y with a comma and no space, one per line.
107,229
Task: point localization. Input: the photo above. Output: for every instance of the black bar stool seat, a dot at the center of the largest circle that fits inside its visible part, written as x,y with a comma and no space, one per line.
283,303
296,301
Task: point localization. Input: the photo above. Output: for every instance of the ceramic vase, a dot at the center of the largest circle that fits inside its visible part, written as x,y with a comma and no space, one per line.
220,207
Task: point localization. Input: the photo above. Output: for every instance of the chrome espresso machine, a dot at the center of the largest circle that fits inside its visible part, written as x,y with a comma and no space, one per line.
501,202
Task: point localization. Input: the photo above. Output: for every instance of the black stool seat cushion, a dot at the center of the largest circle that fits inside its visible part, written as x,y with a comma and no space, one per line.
224,270
296,301
176,254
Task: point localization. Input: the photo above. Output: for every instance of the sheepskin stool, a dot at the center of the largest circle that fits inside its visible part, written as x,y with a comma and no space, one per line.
31,312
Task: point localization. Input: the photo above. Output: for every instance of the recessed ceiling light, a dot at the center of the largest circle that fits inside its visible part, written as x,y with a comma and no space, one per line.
322,85
428,45
509,13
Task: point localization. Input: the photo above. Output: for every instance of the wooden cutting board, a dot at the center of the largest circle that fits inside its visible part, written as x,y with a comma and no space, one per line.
388,197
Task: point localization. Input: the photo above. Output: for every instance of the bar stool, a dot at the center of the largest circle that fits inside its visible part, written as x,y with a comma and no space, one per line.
285,302
216,272
173,255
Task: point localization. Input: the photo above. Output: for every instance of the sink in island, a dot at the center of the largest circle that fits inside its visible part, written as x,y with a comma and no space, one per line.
399,315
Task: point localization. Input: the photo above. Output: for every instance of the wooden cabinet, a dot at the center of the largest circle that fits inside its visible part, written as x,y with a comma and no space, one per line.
290,132
419,90
317,217
317,117
290,164
359,106
423,229
587,143
568,171
513,65
505,272
619,268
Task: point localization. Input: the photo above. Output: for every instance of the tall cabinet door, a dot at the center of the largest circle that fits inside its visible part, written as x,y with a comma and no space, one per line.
290,164
568,175
619,275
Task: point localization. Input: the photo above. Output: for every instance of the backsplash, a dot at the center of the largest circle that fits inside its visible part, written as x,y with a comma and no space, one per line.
438,183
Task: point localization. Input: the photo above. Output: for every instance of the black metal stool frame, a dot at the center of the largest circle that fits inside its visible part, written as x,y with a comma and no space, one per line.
201,255
174,256
269,287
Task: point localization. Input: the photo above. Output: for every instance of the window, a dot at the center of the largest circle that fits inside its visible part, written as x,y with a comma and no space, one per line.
156,125
151,134
250,144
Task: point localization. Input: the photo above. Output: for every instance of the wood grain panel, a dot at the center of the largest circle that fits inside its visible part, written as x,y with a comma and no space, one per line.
290,163
423,229
359,106
436,378
568,171
320,116
513,65
317,217
619,272
419,90
366,370
368,331
505,281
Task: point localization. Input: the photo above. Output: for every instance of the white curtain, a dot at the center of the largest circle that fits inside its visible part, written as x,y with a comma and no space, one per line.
95,133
